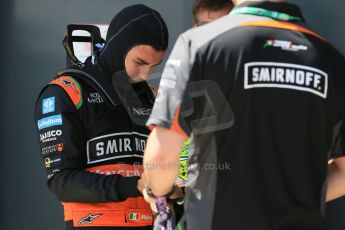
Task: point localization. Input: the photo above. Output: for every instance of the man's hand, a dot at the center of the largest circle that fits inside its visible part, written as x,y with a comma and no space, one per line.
336,179
161,159
178,194
142,183
148,199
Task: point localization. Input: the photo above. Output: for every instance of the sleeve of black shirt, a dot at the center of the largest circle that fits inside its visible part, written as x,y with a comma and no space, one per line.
62,145
175,77
338,143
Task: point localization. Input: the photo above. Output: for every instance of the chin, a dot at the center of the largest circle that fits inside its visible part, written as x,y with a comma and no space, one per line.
135,80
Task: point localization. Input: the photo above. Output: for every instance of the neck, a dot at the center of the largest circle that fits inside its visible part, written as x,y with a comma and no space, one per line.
237,2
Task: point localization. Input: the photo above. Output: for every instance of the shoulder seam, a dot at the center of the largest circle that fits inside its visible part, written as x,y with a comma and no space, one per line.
284,26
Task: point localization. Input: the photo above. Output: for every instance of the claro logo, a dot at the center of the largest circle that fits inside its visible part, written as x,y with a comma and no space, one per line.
50,135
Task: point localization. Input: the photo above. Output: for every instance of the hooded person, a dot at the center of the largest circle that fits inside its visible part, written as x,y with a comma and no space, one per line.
91,146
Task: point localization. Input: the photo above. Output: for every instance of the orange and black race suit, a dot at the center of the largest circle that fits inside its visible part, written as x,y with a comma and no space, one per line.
92,154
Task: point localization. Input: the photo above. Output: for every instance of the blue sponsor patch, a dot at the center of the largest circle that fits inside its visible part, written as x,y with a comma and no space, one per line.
49,122
48,105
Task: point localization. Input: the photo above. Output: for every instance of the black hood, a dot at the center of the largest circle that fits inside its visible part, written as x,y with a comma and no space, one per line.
134,25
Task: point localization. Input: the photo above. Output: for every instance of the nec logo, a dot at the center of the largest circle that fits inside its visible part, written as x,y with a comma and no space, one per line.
286,76
142,111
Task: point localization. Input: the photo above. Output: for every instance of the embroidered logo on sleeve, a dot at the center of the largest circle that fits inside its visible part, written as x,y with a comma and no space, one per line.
48,105
48,122
72,88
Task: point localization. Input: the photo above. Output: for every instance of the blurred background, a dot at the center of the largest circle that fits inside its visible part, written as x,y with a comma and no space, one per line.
31,35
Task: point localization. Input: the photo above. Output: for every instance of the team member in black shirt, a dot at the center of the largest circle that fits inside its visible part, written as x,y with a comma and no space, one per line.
262,98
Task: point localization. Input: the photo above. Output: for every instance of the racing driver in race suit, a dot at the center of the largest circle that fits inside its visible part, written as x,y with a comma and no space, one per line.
91,126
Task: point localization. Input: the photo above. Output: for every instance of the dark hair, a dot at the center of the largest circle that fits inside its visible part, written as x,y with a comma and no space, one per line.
212,5
159,48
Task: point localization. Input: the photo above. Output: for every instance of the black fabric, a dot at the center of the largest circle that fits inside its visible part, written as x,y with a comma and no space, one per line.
68,178
278,145
92,188
134,25
94,135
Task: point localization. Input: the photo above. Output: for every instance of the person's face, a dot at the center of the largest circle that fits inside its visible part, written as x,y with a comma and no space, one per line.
141,61
205,15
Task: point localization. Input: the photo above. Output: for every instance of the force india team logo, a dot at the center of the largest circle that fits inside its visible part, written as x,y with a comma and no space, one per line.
285,45
288,76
